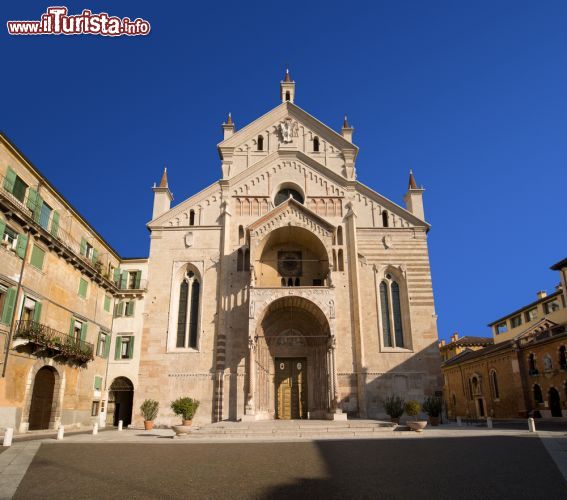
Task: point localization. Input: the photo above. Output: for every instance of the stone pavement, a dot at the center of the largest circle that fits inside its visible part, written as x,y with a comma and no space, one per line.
82,464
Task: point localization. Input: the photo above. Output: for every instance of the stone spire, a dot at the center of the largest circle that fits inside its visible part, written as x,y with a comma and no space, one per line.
287,88
228,127
162,196
347,130
414,198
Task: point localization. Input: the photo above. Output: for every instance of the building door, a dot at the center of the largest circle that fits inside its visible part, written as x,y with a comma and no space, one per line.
291,388
480,407
554,403
42,399
120,399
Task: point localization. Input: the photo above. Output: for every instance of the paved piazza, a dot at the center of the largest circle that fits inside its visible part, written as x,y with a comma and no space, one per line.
447,462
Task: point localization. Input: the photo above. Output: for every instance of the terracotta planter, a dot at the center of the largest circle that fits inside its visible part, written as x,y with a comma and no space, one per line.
434,421
417,425
187,423
395,420
148,425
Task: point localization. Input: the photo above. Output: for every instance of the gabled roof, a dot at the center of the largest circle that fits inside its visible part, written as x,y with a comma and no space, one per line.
469,341
284,109
469,354
560,265
290,202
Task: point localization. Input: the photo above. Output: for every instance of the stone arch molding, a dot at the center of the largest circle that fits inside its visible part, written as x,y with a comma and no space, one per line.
58,393
260,300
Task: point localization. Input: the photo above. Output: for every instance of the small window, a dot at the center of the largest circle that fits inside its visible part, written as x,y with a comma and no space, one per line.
538,396
287,96
118,309
97,383
341,260
124,347
562,358
129,308
76,329
384,218
516,321
241,235
95,408
83,287
31,310
316,145
10,236
494,385
103,345
284,194
531,315
260,143
192,217
107,300
44,216
532,368
501,328
14,184
340,235
37,257
551,306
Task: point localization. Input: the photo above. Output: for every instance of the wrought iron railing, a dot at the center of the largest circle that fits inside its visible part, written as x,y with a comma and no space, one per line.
58,343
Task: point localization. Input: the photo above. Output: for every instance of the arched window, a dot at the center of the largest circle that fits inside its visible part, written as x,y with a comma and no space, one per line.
340,235
384,218
260,143
240,260
341,260
335,259
290,282
316,144
532,368
538,396
287,96
562,358
188,315
241,235
297,283
247,259
284,194
547,363
192,217
385,306
494,385
391,313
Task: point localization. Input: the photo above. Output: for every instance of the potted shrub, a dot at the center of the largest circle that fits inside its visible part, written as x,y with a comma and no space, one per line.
149,410
186,409
412,409
433,406
394,406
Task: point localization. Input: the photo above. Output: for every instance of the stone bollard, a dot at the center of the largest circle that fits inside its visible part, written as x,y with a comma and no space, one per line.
531,425
8,435
459,421
95,429
120,425
60,433
489,422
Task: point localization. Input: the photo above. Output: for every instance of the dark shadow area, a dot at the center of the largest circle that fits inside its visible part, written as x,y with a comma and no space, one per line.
463,468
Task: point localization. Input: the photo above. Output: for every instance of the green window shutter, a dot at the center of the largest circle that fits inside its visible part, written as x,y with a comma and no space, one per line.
2,229
37,257
131,348
21,245
107,345
119,309
37,312
10,180
117,275
138,279
55,223
97,383
34,203
84,332
107,303
72,327
9,304
83,287
130,308
124,280
83,246
95,255
118,348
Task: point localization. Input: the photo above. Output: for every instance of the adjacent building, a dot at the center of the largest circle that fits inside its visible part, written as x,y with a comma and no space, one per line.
523,372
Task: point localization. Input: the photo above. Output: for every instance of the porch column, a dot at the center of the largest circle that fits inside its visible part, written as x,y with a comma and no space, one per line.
334,385
250,405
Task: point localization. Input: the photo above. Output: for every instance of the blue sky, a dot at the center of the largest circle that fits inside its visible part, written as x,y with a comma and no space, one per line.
470,95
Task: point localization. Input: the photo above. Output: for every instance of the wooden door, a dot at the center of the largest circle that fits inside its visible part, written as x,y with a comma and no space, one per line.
291,388
42,399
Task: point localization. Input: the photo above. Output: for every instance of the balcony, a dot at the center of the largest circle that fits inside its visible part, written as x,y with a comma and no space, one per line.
51,343
131,289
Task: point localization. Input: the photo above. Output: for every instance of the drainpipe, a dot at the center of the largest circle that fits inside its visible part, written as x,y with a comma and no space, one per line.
16,302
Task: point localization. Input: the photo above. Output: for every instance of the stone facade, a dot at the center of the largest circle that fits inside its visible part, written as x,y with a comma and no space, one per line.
289,253
523,373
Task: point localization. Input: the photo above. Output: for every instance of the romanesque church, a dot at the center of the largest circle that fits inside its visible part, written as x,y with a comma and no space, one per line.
287,289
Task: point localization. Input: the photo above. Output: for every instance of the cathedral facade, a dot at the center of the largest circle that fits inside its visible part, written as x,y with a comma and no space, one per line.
287,289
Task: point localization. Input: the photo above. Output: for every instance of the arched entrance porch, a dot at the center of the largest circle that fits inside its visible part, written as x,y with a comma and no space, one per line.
120,399
291,362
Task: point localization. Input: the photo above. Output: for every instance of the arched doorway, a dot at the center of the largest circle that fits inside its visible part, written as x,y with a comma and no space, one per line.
120,399
41,407
293,360
554,402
